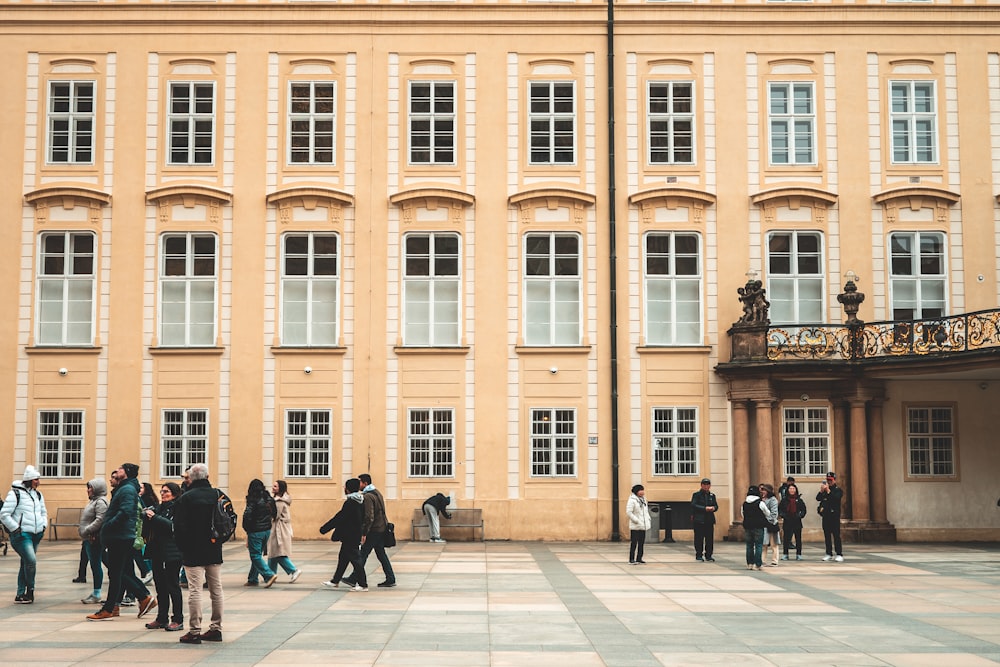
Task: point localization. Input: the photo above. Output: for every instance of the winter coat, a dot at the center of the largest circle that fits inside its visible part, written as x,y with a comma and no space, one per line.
701,500
92,516
161,545
374,506
829,502
438,502
755,513
346,524
772,508
258,514
792,510
119,520
637,510
193,523
24,509
279,543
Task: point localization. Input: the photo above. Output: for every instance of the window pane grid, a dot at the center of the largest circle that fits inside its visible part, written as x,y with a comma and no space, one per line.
431,289
675,441
552,289
310,288
673,288
71,119
670,113
60,443
552,122
191,122
183,440
432,122
913,122
312,122
65,289
796,277
806,440
917,275
553,442
431,442
188,290
792,123
308,443
930,441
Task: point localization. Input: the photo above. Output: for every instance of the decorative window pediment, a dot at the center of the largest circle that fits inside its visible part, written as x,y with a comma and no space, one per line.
794,198
189,197
310,198
672,198
68,197
552,199
432,199
895,202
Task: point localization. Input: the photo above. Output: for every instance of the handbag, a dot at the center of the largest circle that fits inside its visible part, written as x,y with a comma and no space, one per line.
390,534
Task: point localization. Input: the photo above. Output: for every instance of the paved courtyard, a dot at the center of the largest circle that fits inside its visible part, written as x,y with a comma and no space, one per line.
515,603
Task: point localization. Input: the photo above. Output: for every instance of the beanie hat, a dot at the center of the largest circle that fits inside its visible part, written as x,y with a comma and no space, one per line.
30,473
131,470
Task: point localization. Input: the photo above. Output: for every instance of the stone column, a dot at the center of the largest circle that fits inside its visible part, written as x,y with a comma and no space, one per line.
876,456
841,465
764,471
741,456
858,482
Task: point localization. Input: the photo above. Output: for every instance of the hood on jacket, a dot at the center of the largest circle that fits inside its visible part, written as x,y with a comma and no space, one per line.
99,486
18,484
753,499
357,497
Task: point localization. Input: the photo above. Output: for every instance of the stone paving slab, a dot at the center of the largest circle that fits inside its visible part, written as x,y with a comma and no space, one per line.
575,604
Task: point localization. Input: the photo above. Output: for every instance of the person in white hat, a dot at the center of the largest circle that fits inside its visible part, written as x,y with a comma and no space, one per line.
25,518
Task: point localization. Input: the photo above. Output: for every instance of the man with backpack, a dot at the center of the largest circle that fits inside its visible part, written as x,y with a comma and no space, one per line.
24,516
118,534
199,534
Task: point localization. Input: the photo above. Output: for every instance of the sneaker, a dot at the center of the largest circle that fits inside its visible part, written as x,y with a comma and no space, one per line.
785,557
145,605
127,602
174,627
101,615
28,597
699,559
772,565
749,566
437,539
211,636
22,599
839,558
631,562
269,582
251,583
757,567
155,625
80,580
91,599
392,584
295,576
347,581
358,588
827,557
640,562
332,584
148,578
190,638
798,557
709,559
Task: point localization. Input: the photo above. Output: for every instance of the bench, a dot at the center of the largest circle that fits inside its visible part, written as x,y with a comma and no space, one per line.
460,518
64,518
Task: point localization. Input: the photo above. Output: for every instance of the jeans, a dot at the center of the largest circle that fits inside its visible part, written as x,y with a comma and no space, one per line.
376,542
434,521
636,546
284,562
121,576
168,591
26,544
755,544
197,575
258,566
94,550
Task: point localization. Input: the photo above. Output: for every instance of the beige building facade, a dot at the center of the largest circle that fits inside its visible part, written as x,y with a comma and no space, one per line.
459,246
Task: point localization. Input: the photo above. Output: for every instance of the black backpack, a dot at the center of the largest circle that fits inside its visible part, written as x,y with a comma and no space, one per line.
223,520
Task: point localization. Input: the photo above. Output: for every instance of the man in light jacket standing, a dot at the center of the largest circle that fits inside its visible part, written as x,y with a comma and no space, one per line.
24,516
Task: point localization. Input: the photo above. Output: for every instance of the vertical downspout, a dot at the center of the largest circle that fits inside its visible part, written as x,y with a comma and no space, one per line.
613,266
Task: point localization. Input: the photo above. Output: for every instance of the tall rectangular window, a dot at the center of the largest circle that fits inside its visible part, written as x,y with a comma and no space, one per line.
913,115
312,108
930,441
795,277
187,290
675,441
191,119
670,114
553,442
431,289
60,443
917,275
806,440
310,284
432,122
183,441
552,122
792,123
65,292
308,443
552,289
673,288
431,442
71,119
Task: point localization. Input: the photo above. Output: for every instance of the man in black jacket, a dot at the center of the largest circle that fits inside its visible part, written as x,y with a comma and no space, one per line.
829,498
704,505
374,526
202,556
433,506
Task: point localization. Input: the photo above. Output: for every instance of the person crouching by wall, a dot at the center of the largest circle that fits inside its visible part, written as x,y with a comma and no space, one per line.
639,522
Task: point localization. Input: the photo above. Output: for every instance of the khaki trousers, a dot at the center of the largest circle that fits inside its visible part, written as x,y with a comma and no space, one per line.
196,576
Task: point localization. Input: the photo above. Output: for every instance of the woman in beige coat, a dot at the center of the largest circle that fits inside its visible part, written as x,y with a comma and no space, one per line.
279,544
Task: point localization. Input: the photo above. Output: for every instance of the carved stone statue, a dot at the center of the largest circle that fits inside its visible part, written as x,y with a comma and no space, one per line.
755,303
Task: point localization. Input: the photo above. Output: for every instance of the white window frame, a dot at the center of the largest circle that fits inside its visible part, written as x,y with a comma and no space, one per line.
186,446
71,286
553,442
71,120
789,287
432,291
907,124
548,117
308,124
931,442
805,440
60,443
308,443
792,123
916,281
675,441
188,127
668,277
438,139
672,117
190,280
319,331
543,298
430,442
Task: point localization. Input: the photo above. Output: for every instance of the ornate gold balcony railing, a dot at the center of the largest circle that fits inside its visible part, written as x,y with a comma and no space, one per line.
871,340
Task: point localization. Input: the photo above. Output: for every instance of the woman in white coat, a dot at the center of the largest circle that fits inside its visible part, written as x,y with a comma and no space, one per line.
279,543
24,516
638,522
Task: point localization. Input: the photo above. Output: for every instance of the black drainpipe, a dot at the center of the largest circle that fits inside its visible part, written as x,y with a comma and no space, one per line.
613,261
